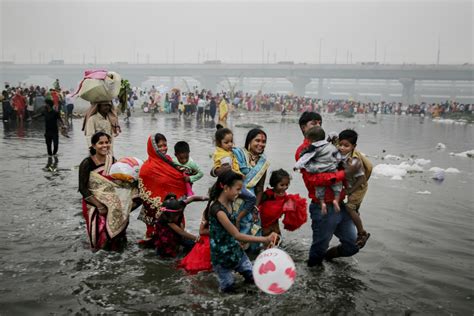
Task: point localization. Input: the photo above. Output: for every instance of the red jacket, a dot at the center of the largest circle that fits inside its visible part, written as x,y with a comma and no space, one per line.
313,180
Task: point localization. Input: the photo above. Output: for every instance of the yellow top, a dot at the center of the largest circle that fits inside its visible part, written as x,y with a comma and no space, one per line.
223,109
220,154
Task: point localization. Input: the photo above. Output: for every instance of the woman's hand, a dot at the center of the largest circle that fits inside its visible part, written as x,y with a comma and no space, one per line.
223,168
102,209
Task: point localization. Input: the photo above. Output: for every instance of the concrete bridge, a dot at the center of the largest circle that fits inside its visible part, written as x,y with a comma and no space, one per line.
209,75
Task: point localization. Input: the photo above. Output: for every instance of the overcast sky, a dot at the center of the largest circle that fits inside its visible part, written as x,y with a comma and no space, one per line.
405,31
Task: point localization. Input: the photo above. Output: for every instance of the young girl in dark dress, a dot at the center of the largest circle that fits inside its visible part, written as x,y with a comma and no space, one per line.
227,254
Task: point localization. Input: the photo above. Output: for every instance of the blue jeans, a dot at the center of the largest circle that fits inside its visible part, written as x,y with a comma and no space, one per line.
226,276
325,226
249,200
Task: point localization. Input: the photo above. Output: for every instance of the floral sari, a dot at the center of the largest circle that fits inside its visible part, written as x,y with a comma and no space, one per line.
108,231
252,176
158,177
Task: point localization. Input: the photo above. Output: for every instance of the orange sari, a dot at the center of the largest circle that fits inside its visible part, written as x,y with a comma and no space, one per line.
158,177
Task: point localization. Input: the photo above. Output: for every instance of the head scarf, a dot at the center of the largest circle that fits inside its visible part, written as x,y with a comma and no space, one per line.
111,116
159,176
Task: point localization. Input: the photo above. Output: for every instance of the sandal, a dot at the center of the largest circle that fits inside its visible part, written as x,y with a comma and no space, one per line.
362,239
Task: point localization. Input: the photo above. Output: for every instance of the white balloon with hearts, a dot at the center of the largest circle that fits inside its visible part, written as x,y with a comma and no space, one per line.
274,271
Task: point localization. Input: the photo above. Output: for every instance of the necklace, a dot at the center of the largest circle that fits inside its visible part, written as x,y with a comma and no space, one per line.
253,157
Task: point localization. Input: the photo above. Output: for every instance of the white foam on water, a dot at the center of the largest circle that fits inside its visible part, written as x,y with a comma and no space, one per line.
452,170
389,170
436,169
423,192
392,157
465,154
396,172
444,121
440,146
422,161
411,167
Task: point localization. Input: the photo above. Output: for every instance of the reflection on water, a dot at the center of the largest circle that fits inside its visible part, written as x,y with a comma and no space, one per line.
419,258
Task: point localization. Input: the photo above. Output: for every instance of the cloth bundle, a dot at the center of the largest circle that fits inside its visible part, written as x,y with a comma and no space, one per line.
99,85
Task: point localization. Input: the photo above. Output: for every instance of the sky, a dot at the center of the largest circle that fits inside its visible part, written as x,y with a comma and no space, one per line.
104,31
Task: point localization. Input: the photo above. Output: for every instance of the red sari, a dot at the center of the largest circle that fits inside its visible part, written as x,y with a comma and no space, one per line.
158,177
292,206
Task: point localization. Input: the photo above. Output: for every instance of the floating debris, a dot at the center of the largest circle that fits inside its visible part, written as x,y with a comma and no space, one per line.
249,125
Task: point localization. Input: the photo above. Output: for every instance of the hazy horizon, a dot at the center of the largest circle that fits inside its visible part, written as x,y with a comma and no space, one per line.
237,31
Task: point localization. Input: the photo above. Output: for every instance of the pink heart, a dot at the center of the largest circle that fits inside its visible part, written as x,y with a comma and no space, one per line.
290,273
274,288
267,267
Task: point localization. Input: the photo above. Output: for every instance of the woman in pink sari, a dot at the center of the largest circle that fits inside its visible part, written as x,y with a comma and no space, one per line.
106,205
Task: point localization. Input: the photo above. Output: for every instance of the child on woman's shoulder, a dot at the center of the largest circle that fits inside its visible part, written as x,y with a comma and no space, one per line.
227,255
357,184
223,154
276,202
191,169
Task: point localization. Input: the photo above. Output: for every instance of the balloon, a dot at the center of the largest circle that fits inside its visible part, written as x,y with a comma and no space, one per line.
274,271
126,169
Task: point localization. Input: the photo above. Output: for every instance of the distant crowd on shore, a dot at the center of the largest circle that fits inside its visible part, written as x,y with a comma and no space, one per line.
22,102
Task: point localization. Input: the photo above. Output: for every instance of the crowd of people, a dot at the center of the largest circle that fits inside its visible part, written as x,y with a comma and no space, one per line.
240,217
204,103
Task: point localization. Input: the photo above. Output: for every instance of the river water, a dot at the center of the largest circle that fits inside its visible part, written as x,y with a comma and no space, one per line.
419,258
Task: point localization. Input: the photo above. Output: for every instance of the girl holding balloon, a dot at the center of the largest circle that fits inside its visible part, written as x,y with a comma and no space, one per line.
227,254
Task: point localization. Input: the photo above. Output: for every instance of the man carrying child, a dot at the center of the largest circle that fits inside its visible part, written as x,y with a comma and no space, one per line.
333,223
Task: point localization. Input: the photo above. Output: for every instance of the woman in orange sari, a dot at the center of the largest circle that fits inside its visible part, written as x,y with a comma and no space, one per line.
158,177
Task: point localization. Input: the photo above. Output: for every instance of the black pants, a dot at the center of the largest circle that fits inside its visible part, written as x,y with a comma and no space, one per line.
52,139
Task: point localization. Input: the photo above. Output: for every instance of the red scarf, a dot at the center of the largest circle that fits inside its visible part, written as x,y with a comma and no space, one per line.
160,176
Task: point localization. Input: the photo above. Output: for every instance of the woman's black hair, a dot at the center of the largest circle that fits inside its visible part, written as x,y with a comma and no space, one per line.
252,134
95,139
220,134
226,178
171,202
159,137
277,176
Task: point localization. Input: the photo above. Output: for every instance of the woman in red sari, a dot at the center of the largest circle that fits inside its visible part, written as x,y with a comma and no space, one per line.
158,177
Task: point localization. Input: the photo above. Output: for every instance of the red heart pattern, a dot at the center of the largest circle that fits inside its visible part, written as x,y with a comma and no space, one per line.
267,267
290,273
274,288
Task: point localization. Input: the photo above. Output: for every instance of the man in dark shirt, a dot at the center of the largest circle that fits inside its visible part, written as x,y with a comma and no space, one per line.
51,134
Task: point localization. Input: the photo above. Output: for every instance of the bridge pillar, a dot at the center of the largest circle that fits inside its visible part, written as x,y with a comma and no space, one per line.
299,85
408,91
321,93
209,82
